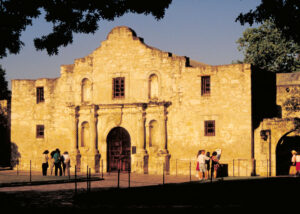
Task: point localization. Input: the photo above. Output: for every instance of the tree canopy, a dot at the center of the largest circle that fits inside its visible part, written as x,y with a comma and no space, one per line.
266,48
284,13
67,17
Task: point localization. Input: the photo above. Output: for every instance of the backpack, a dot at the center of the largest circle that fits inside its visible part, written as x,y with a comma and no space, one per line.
56,157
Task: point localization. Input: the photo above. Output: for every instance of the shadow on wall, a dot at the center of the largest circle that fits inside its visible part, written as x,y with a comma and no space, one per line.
263,96
15,155
4,142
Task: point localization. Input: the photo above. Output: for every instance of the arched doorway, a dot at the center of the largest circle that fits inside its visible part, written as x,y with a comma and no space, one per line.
284,155
118,150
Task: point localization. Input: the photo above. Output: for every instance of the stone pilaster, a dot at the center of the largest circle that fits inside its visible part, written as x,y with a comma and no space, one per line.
165,154
142,156
75,153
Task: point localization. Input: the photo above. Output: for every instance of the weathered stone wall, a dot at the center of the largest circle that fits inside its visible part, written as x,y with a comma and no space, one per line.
179,106
265,148
287,99
288,94
229,104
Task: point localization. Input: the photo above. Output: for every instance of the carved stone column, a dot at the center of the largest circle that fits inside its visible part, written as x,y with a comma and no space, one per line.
146,155
93,130
76,146
142,157
166,154
95,150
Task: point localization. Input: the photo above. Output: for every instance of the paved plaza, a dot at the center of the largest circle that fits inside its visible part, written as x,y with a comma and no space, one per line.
11,180
20,190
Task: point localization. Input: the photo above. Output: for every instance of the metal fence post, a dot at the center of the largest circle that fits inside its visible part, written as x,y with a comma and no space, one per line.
118,178
87,178
128,178
267,167
30,172
190,171
176,167
247,167
75,179
233,167
102,168
163,173
90,179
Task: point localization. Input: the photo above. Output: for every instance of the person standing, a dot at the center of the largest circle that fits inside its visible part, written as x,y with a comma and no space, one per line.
57,162
214,164
62,163
298,164
293,170
51,161
207,164
66,164
202,168
197,166
45,162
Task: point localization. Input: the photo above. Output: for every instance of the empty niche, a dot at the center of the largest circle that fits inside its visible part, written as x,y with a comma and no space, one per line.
153,87
85,134
153,135
86,90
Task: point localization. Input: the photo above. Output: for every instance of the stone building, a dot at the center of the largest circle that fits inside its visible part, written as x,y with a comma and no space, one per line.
131,106
276,137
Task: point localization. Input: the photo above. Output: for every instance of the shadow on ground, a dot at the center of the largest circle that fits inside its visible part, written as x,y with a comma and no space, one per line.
269,194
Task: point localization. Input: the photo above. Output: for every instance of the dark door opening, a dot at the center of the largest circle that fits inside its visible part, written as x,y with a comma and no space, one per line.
284,155
118,150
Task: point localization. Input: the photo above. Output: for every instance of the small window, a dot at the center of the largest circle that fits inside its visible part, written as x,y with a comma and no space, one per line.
119,87
209,128
40,94
205,85
40,131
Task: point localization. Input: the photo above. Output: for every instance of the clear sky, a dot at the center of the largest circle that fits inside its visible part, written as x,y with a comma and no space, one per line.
204,30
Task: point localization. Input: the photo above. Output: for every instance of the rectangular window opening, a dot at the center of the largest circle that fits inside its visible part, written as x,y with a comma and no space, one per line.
40,94
209,128
40,131
205,85
119,87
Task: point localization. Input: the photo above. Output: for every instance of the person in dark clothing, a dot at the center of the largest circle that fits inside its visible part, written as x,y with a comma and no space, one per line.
45,162
57,162
52,161
62,161
214,164
207,163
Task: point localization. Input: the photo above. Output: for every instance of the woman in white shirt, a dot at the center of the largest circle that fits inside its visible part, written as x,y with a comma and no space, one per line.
202,167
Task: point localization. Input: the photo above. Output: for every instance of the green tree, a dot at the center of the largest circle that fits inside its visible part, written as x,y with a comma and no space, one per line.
285,13
67,17
4,92
4,121
266,48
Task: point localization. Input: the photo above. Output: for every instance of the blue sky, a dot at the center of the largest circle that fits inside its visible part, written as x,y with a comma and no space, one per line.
204,30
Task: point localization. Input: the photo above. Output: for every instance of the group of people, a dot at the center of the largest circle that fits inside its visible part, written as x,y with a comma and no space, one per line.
206,164
57,161
295,164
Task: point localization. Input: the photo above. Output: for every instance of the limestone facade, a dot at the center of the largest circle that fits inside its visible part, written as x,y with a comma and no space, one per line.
276,137
166,107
